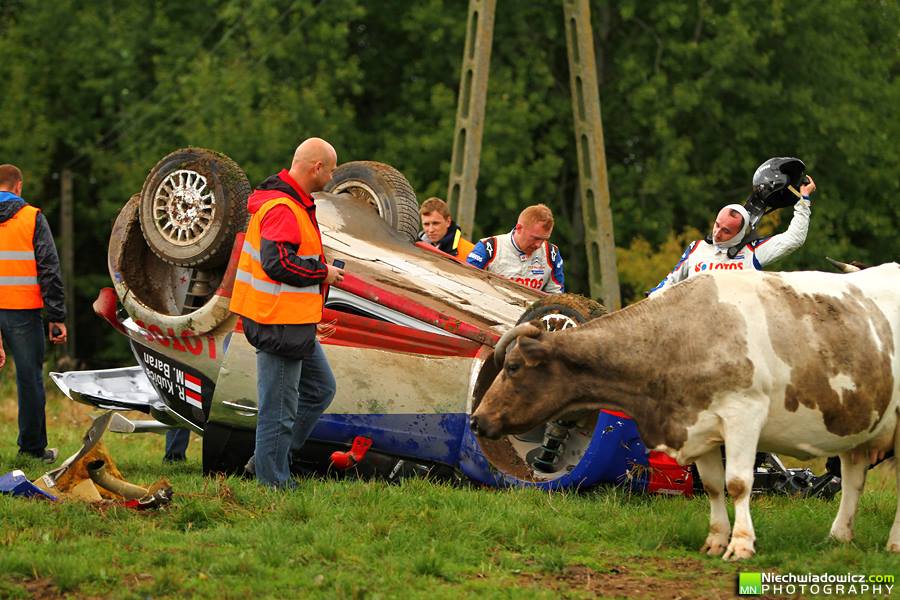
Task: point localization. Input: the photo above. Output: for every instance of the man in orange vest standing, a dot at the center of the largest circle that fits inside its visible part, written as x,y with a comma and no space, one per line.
280,291
29,281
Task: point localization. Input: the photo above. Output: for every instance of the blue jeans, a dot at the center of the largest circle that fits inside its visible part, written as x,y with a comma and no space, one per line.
23,339
292,395
177,444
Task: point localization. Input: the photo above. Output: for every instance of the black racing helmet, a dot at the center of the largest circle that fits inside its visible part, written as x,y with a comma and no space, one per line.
776,182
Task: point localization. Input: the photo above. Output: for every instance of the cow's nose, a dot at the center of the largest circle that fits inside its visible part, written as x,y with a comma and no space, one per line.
473,424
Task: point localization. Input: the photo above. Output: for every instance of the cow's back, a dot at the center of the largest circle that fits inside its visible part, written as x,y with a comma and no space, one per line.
825,352
881,284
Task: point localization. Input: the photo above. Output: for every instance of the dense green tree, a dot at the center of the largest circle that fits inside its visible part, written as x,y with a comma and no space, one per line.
697,95
694,96
123,84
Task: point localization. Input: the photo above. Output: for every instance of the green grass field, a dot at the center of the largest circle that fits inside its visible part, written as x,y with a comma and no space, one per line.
228,538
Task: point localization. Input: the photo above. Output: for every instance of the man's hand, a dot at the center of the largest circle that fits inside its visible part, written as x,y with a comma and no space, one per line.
808,188
2,355
57,333
334,274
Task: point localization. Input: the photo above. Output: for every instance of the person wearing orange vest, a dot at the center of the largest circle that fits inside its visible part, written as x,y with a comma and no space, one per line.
279,291
29,281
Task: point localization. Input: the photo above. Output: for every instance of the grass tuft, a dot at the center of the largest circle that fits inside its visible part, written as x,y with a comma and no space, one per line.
197,513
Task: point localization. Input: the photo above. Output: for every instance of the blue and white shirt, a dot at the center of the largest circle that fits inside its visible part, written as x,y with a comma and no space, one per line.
540,270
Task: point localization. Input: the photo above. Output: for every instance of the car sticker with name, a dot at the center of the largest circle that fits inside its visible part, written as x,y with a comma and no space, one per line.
185,390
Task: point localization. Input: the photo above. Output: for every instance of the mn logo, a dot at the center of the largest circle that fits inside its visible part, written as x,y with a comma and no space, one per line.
749,584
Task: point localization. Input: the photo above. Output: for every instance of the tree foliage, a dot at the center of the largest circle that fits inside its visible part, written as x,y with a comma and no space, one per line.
694,96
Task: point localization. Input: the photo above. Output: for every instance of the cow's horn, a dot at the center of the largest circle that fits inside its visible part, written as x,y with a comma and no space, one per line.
526,329
844,267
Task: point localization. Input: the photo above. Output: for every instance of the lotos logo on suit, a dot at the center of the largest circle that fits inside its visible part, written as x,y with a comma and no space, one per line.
732,266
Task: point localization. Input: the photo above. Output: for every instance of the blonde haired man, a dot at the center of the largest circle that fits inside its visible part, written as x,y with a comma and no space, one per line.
525,254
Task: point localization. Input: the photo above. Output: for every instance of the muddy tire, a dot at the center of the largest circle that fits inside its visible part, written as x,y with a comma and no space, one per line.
571,310
383,187
193,203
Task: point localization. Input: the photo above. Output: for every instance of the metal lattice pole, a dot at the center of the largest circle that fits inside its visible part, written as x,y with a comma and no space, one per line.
473,82
592,178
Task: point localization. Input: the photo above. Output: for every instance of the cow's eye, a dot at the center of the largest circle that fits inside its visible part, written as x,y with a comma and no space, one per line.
512,367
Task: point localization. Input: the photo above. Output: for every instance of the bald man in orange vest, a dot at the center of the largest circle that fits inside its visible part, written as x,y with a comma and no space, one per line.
279,290
29,281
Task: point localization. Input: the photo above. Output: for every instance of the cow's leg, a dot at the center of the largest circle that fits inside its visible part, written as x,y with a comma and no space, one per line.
739,456
893,544
853,479
712,474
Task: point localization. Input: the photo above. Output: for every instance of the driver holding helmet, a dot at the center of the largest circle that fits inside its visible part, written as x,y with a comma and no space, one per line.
733,245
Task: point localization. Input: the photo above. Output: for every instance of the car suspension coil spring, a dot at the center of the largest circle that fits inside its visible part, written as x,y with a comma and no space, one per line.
554,444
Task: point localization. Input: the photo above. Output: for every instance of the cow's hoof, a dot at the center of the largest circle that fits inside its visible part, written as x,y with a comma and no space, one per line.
739,549
893,547
714,545
842,534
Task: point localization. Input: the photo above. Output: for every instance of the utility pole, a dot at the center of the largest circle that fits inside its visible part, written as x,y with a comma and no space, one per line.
473,82
593,185
593,182
67,258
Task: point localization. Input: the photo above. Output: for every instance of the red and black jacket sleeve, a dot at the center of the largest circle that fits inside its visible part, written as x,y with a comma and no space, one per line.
280,261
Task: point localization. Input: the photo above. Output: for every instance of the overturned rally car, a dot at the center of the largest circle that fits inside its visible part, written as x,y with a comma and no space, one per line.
411,348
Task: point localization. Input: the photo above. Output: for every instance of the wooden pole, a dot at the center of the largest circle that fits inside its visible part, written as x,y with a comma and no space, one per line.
592,177
67,256
473,83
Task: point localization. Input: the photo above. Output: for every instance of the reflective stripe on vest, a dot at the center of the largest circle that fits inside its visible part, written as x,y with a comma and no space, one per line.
19,288
274,288
264,300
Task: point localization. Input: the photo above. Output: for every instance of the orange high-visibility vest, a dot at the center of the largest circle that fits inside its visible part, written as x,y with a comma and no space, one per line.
463,246
19,287
264,300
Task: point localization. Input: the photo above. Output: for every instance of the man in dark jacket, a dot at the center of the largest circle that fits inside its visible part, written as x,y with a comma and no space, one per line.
29,281
439,230
279,291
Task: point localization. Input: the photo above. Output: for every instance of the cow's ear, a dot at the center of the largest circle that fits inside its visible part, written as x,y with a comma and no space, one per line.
533,351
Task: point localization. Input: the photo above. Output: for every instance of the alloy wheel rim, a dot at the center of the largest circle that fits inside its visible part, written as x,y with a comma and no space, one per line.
184,207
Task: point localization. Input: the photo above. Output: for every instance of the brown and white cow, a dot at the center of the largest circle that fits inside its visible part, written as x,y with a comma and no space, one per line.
804,364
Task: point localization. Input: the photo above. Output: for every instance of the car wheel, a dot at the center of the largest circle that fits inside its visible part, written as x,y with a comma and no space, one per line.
562,311
555,313
193,203
385,188
525,459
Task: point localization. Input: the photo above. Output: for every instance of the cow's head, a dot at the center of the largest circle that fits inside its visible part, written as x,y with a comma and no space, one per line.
535,384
